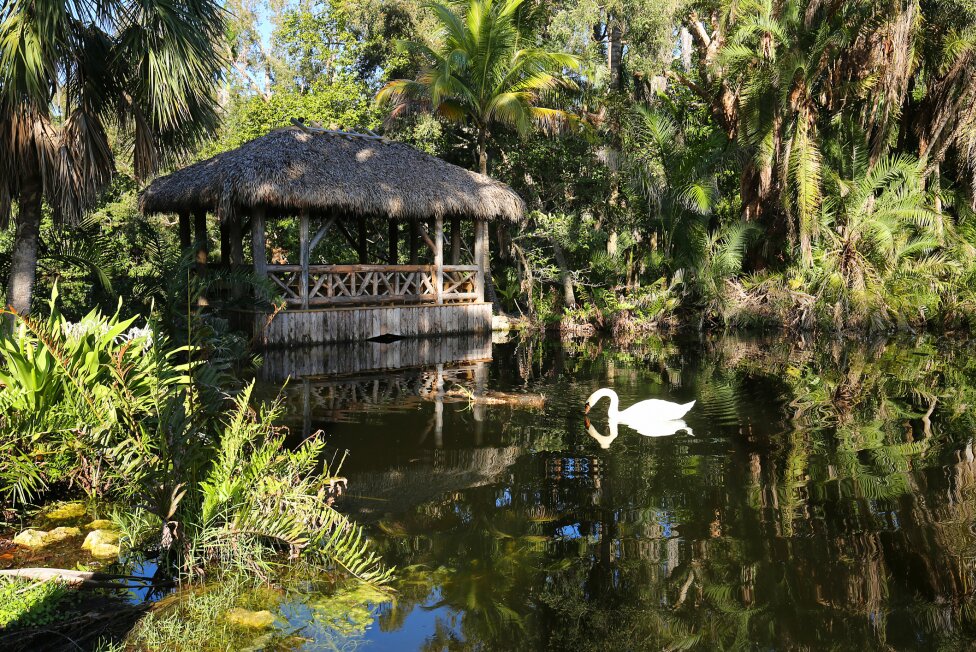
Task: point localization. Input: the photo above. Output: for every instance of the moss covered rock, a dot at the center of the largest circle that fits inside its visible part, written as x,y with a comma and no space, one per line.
103,544
104,550
101,524
100,537
62,533
250,619
66,512
31,538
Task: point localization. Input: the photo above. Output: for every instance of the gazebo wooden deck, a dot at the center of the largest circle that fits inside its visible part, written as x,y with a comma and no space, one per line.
330,180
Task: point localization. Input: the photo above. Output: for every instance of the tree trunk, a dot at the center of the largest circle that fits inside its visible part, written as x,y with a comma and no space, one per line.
23,260
684,38
615,53
504,242
565,276
483,151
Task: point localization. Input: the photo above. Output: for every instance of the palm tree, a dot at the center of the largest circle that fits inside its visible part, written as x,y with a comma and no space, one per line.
677,177
77,77
780,54
482,74
881,256
781,76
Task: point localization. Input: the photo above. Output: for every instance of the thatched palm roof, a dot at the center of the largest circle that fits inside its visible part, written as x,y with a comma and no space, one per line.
294,168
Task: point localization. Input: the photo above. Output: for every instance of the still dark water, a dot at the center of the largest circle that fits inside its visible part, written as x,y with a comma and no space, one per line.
825,500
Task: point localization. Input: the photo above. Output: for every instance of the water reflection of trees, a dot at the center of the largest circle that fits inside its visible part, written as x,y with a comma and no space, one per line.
830,503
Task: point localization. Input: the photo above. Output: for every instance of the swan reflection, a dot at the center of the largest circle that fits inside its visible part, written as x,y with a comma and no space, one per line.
647,429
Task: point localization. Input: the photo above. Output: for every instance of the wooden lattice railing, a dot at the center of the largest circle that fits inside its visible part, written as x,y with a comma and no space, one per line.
353,285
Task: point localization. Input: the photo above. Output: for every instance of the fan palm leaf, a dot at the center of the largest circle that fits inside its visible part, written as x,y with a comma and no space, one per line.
71,70
480,75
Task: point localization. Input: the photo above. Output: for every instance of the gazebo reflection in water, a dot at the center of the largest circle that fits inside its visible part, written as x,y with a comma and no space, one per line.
340,189
330,381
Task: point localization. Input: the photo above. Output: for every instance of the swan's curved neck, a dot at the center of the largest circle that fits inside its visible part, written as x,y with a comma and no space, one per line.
614,401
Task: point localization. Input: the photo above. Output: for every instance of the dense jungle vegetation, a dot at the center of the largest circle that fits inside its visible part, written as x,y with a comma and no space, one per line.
806,164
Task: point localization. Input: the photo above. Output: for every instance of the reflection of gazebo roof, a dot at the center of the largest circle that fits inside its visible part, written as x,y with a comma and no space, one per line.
403,488
332,173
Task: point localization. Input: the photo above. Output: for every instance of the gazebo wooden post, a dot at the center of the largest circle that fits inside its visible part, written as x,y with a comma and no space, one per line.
236,241
258,252
414,241
236,250
304,255
202,244
225,246
362,247
186,237
439,259
455,240
393,235
203,248
480,256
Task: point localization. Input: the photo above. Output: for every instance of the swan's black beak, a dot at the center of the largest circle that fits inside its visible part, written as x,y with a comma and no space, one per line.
586,409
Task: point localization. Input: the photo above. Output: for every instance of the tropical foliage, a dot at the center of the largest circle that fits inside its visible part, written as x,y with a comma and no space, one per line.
117,411
485,71
79,79
688,119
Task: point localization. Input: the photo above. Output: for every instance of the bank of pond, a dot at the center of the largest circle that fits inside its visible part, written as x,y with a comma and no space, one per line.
454,496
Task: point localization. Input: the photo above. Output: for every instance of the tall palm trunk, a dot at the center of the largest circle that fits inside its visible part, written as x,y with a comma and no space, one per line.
615,52
483,150
23,268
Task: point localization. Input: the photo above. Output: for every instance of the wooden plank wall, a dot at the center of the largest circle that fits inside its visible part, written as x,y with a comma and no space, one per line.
351,358
304,327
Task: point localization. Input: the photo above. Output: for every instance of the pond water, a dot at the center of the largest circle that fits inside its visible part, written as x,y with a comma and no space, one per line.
824,497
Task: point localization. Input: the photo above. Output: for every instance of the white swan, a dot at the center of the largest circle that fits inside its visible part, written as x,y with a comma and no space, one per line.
661,428
643,413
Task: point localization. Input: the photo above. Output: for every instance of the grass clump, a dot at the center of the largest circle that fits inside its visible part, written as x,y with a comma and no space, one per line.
223,616
28,603
198,620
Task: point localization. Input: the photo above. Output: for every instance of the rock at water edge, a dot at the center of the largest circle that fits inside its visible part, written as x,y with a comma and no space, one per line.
31,538
96,537
66,512
104,550
250,619
62,533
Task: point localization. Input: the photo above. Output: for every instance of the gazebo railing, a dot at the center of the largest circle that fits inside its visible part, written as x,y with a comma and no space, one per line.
354,285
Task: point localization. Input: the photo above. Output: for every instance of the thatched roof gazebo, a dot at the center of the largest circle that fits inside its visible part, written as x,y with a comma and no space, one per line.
342,179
